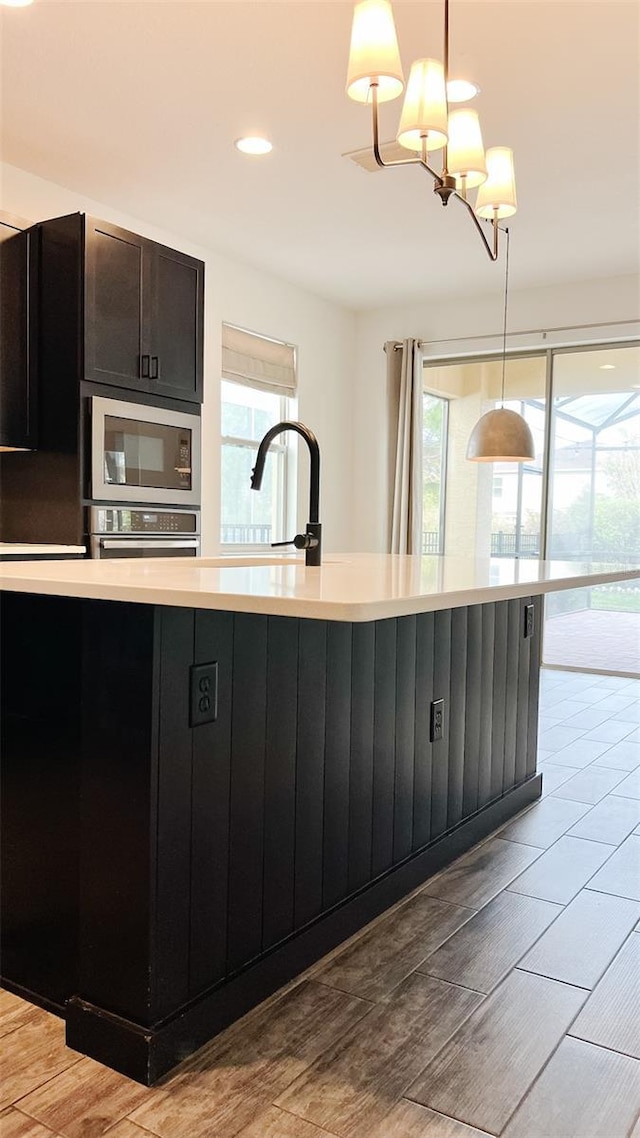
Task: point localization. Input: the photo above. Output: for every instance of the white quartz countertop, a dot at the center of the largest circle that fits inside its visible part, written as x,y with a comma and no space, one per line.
15,549
348,587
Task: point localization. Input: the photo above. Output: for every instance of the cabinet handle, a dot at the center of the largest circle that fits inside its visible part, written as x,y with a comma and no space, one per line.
155,367
144,367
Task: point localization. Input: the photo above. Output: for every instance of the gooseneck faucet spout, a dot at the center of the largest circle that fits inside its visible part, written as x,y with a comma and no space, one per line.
311,540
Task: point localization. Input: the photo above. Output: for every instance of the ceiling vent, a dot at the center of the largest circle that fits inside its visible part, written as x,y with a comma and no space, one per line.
390,152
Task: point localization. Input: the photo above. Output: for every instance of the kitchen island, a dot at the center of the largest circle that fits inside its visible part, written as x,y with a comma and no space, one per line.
215,771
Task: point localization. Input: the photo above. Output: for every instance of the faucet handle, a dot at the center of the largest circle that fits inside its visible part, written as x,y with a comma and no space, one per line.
301,541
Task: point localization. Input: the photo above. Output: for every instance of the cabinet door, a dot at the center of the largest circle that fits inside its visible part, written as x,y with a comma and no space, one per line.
177,322
18,424
118,267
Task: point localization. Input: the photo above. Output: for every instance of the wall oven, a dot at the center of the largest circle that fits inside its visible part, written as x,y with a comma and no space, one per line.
144,454
122,532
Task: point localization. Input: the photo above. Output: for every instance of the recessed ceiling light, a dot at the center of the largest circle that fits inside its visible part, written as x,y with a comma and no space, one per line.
461,90
253,145
607,367
16,3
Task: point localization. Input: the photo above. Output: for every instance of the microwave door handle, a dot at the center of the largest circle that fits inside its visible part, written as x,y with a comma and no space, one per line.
115,543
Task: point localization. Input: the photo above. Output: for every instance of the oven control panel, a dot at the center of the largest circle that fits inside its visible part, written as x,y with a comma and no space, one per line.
108,519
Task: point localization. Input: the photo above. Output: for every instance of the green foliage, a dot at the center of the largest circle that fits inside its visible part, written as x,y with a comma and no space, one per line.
622,601
616,525
433,418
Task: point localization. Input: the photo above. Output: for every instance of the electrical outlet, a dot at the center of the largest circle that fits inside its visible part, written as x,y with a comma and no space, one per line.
436,731
203,693
529,621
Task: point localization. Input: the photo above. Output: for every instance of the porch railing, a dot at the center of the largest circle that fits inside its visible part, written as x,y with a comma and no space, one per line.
502,544
245,535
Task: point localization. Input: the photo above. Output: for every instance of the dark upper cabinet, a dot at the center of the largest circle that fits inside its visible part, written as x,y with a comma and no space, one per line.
143,314
18,391
177,318
117,320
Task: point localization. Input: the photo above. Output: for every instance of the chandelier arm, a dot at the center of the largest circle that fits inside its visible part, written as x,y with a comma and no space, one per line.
418,161
425,166
376,139
491,251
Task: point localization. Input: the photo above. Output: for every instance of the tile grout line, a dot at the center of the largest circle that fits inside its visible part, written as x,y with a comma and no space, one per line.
44,1083
30,1118
552,1053
602,1046
298,1118
128,1118
436,1053
584,886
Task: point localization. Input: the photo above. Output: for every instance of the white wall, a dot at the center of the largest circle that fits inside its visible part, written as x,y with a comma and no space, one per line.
463,326
324,334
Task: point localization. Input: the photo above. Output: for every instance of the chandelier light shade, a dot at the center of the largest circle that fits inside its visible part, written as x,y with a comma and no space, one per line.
497,196
501,436
424,113
374,59
375,76
465,158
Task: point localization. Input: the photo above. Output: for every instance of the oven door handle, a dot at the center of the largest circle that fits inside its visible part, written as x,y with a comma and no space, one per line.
114,543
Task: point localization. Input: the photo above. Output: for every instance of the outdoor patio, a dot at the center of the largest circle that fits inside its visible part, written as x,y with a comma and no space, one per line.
593,639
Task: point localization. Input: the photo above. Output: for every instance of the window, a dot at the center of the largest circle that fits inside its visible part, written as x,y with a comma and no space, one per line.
248,517
259,378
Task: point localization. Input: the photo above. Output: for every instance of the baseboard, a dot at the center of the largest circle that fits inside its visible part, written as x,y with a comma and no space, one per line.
33,997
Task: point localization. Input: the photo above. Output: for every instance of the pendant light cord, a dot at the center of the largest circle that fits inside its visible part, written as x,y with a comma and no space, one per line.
504,329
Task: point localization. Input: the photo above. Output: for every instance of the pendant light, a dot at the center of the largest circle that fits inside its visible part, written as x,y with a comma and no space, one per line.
502,435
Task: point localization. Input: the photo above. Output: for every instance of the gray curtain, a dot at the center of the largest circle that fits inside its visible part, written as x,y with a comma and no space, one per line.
404,392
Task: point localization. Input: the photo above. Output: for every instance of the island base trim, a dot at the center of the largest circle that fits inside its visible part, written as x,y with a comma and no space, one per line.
146,1054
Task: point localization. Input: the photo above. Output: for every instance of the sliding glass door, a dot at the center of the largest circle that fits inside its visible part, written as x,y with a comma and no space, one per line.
594,506
494,509
589,479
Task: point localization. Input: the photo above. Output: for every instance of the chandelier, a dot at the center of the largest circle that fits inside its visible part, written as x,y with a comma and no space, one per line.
426,124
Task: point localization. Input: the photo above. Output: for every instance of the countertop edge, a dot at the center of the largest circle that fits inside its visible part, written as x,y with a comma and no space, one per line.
301,607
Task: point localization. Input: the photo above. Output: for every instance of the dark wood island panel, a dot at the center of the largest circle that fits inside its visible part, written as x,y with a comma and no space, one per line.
179,874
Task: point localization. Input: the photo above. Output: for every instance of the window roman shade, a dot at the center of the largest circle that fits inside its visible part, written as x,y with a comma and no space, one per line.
266,364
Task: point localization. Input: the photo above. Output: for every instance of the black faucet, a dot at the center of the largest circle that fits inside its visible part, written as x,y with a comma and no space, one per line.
310,541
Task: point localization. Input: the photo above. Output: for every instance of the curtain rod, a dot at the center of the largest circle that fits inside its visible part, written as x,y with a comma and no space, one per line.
397,344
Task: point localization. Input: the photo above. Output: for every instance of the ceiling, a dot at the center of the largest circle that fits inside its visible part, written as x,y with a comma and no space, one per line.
137,104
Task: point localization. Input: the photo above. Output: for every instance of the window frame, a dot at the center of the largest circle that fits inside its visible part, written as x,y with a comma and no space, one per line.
283,446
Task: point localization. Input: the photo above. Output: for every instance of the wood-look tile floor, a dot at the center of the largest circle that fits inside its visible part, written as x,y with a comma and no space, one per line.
501,999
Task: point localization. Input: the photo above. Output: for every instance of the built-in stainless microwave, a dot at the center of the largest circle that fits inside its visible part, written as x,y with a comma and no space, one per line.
144,454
